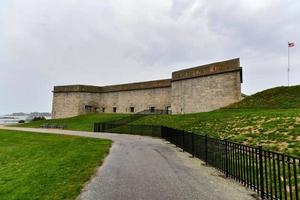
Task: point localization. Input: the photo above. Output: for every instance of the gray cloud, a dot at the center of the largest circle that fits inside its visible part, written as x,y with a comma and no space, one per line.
46,43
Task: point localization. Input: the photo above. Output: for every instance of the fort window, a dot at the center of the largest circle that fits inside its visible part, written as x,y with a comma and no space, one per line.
132,109
88,108
152,109
168,110
114,109
103,109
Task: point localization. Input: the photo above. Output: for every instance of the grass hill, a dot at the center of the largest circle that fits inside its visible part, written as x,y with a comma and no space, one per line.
270,118
80,123
277,130
274,98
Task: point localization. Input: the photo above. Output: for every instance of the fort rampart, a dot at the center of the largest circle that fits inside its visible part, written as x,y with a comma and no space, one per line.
197,89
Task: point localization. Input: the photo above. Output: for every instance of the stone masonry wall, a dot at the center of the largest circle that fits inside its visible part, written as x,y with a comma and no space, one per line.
207,93
64,105
71,104
139,99
198,89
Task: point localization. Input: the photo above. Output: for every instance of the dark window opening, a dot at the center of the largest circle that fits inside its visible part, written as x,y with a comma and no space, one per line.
168,110
152,109
103,109
114,109
88,108
132,109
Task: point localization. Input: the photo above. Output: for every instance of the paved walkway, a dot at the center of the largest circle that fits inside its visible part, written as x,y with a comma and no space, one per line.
147,168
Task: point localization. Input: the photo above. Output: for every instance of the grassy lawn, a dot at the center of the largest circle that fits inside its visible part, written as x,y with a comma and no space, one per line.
277,130
46,166
79,123
273,98
270,118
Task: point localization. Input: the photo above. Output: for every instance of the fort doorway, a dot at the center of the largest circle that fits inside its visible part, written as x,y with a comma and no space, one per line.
132,109
88,108
152,109
168,110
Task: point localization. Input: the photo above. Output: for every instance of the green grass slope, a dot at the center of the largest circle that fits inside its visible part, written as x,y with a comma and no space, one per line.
277,130
274,98
80,123
45,166
270,118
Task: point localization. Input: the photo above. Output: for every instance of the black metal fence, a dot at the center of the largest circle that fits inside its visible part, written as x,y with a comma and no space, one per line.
132,118
156,112
146,130
272,175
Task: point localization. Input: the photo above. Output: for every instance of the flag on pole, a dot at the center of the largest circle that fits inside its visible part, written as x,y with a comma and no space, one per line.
291,44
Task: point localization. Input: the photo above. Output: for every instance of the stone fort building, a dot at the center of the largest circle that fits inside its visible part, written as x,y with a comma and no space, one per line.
198,89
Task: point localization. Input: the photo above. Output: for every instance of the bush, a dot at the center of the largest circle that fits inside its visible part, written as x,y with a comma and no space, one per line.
38,119
21,121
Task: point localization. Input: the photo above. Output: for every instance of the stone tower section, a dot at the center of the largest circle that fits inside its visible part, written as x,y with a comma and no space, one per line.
206,88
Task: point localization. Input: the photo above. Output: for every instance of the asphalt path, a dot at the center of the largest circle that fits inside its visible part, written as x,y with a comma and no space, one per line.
140,167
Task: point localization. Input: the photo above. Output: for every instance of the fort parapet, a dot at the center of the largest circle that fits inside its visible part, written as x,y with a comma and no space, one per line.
114,88
198,89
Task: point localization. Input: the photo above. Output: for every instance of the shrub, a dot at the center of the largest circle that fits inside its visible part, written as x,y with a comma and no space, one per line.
38,119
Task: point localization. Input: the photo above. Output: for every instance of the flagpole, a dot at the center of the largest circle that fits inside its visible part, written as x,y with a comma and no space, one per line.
288,65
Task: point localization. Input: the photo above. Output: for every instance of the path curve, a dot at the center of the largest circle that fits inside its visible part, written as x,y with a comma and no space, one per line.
147,168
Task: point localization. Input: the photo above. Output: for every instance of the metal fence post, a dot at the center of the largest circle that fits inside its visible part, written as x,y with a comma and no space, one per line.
193,145
175,138
182,140
95,125
206,150
152,127
261,173
226,157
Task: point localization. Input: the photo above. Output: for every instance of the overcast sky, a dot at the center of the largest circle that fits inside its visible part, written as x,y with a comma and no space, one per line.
98,42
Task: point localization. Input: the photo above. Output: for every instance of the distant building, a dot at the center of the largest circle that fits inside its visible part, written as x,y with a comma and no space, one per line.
197,89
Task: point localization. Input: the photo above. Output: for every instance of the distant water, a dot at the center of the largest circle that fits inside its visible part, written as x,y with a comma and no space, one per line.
13,119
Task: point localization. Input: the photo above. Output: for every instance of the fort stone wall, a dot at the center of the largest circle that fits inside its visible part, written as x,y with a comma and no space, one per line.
198,89
205,93
69,104
139,100
206,88
73,100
